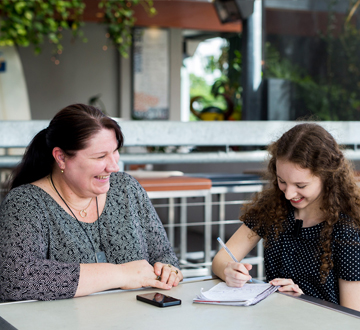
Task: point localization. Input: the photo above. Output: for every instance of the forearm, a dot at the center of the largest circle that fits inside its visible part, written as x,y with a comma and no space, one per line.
99,277
104,276
219,264
240,244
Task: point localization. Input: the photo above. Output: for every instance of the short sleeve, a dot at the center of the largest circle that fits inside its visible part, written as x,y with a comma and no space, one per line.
252,223
346,251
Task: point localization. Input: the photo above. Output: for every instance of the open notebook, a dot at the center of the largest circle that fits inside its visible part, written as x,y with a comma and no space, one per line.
248,295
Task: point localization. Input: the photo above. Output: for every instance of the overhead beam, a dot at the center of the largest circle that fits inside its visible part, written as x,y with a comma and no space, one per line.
183,14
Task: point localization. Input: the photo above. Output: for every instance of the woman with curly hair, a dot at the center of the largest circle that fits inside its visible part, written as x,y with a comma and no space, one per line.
309,218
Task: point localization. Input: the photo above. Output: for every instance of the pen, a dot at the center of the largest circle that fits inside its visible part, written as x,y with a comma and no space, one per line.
228,251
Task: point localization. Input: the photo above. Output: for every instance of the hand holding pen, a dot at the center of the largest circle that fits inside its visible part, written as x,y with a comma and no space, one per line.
236,279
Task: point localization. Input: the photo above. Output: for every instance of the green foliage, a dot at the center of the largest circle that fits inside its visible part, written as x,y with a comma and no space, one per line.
282,68
221,63
229,64
30,22
307,90
119,19
25,23
199,87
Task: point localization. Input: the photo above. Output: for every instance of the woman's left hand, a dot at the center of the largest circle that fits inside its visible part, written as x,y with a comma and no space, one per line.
169,274
286,284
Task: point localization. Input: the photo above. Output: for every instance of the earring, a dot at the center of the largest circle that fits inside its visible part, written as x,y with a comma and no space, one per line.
62,171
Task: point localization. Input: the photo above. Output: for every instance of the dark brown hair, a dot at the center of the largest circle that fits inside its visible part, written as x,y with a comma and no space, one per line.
70,130
311,147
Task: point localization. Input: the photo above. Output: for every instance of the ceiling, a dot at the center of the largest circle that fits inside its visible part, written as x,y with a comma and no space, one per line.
196,17
182,14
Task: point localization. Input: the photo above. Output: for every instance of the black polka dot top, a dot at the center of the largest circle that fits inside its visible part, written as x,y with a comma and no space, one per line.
298,258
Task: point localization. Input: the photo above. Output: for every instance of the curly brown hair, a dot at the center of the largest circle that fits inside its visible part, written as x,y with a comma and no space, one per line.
311,147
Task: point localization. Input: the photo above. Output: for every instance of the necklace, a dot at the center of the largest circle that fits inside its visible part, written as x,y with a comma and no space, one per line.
82,212
99,255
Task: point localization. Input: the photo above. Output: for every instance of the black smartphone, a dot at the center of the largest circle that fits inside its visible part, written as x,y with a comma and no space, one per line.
158,299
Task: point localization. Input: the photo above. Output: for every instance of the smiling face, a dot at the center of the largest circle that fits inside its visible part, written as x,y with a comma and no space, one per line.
87,173
300,186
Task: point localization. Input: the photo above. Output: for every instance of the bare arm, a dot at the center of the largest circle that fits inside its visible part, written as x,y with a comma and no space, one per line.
350,294
104,276
240,244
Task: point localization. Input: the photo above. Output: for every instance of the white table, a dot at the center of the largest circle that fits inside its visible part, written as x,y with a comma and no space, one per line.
121,310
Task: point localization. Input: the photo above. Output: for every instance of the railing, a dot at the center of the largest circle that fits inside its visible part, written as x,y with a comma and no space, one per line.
244,134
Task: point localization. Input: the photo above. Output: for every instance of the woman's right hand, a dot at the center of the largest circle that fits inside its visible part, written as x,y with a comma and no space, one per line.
140,273
237,274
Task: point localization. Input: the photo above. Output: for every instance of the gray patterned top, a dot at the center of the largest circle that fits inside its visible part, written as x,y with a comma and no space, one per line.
42,246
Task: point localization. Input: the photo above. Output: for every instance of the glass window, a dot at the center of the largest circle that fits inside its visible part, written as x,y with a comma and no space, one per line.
312,59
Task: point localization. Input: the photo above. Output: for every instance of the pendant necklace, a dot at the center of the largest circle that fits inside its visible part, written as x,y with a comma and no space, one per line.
82,212
99,255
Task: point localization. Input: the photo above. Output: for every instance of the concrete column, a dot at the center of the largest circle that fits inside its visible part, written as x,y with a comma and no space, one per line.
125,86
252,63
175,74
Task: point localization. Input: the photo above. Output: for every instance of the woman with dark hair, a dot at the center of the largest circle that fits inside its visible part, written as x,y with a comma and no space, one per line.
309,218
72,224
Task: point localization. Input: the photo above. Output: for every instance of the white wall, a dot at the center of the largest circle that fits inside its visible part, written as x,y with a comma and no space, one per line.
85,70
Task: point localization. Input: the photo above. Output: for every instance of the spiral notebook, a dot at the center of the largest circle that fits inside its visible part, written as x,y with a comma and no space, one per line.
248,295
